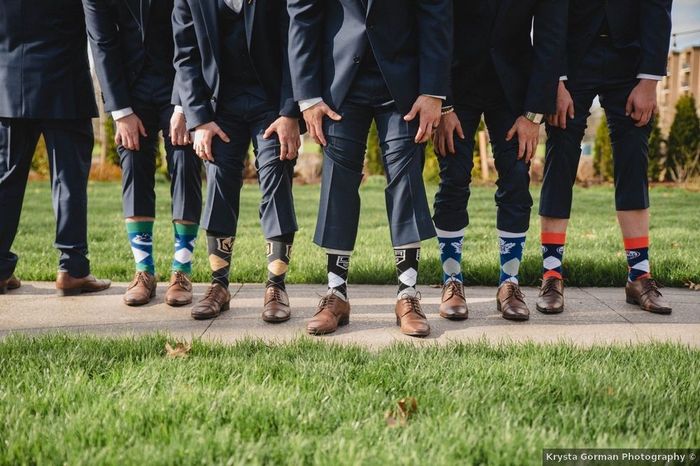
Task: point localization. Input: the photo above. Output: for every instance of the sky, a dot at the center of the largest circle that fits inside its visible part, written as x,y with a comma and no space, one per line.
686,17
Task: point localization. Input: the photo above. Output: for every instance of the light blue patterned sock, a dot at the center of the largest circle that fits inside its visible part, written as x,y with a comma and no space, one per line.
511,247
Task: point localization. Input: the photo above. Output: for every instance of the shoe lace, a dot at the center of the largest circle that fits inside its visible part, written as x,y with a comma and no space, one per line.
275,294
326,301
140,278
413,304
180,279
549,286
652,286
455,288
514,292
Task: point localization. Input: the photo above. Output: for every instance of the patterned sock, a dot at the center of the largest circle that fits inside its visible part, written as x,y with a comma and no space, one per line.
141,239
450,243
279,251
552,254
407,258
511,250
637,250
220,248
338,266
185,239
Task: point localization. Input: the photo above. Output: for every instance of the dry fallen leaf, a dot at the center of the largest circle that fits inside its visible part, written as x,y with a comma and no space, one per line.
693,286
179,351
406,407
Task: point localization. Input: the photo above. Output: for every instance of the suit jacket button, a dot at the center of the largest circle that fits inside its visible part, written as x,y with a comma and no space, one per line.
356,59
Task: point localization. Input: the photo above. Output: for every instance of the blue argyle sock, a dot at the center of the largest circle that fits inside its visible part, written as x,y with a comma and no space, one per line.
511,251
141,239
450,243
185,239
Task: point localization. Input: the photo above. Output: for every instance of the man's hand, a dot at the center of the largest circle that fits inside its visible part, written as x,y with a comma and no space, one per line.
565,107
641,104
429,110
528,135
314,121
287,130
179,136
203,136
129,129
444,138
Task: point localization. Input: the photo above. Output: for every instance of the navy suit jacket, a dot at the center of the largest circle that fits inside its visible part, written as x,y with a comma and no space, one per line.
411,41
642,28
117,43
527,66
197,56
44,68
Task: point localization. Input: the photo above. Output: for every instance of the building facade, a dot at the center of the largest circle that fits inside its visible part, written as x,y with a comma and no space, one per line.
683,77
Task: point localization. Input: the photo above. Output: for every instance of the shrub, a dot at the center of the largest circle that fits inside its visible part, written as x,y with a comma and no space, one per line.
602,152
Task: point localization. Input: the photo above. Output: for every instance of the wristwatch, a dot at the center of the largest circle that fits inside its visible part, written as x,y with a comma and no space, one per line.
536,118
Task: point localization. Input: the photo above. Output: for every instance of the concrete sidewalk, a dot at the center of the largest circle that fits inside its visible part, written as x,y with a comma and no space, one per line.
592,316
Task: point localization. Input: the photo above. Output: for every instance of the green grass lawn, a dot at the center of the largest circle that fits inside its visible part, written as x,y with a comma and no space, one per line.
66,400
594,253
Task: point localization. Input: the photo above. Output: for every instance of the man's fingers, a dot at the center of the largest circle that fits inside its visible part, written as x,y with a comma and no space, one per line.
142,130
268,132
420,133
530,150
451,145
332,115
511,133
522,146
207,149
412,114
319,133
570,110
187,139
460,132
118,139
561,116
629,106
222,135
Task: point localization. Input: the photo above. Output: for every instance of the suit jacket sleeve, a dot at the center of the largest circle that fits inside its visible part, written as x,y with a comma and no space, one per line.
549,43
305,28
195,96
655,29
288,106
107,54
435,23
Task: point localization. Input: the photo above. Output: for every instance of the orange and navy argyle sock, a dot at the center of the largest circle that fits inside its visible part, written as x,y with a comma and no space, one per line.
637,250
552,254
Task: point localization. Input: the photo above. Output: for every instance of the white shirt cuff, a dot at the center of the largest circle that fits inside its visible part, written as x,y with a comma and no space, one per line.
563,78
308,103
178,109
441,97
653,77
119,114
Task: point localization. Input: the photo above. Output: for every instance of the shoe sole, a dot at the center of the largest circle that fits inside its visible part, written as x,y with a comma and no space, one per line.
276,320
177,303
545,310
411,334
453,318
513,318
224,308
663,311
341,323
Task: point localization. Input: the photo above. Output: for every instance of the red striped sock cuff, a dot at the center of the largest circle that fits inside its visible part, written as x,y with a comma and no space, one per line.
636,243
548,237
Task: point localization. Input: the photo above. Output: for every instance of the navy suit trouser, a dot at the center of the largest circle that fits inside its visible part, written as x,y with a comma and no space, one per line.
513,199
244,118
151,103
605,73
69,146
403,159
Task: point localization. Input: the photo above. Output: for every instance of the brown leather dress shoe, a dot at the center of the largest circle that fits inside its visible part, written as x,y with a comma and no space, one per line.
410,317
179,291
11,283
216,300
333,312
551,298
511,302
645,293
276,306
453,305
141,289
71,286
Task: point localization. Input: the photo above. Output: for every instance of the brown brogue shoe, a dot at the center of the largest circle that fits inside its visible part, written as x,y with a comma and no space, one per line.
141,289
511,302
410,317
11,283
276,306
333,312
551,298
216,300
645,293
71,286
179,290
453,305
